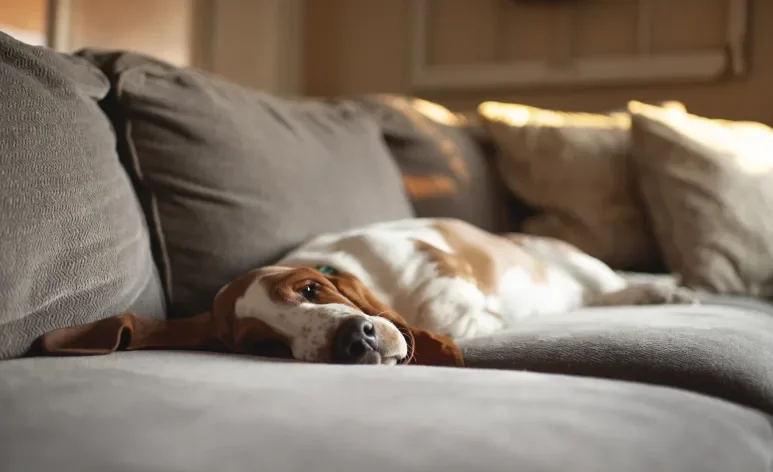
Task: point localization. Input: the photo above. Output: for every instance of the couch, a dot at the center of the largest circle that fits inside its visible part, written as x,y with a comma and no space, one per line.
131,185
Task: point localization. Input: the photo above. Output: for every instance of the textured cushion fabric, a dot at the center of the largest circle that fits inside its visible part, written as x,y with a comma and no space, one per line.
446,170
167,412
233,178
573,168
722,348
708,188
74,245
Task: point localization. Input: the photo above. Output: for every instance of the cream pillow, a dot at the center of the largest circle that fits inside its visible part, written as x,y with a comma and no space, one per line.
708,188
573,168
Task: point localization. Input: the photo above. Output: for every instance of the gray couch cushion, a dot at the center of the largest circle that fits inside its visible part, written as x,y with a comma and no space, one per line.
196,412
723,348
73,245
446,170
232,178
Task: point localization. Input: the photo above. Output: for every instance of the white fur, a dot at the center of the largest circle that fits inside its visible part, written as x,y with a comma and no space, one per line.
387,260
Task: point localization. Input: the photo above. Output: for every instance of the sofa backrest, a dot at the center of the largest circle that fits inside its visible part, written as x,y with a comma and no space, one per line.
73,245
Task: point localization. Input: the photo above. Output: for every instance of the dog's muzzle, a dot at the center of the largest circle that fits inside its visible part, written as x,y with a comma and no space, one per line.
356,342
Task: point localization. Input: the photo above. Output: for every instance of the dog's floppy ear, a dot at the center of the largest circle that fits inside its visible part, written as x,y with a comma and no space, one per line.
424,347
217,330
245,335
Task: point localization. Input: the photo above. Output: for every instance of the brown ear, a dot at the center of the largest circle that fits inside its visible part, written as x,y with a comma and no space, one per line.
424,347
245,335
129,331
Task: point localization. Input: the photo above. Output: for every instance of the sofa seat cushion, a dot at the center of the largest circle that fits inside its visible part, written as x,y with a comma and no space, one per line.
722,348
198,412
232,178
73,244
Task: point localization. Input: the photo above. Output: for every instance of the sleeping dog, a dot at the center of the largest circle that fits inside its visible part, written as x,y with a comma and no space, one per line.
442,275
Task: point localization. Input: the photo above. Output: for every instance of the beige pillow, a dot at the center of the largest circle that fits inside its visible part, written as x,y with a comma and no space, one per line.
573,169
708,188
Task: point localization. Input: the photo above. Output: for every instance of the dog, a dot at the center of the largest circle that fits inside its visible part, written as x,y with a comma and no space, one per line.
442,275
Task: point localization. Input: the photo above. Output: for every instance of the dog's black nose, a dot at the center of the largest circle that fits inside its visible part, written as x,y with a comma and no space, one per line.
355,342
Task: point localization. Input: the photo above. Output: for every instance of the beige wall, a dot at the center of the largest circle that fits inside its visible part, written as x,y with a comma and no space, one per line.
162,28
362,46
257,43
24,14
26,20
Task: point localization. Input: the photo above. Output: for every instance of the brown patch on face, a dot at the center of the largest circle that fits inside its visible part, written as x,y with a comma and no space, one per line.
286,287
246,335
481,257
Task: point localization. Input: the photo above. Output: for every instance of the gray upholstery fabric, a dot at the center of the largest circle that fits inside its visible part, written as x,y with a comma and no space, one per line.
447,172
73,246
232,178
724,351
169,412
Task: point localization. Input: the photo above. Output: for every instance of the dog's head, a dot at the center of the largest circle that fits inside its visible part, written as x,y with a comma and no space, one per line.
323,317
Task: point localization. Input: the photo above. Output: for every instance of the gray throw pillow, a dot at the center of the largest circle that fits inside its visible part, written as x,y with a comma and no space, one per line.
446,170
232,178
73,246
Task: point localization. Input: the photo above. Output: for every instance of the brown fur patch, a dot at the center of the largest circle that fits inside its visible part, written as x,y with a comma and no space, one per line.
448,264
481,257
285,287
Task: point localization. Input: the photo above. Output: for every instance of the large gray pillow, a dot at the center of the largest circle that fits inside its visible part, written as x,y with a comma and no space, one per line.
232,178
73,246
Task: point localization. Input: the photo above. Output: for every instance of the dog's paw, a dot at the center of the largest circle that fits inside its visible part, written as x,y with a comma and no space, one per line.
670,295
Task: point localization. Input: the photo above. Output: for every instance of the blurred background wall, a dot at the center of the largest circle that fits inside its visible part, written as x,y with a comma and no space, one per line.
332,47
356,46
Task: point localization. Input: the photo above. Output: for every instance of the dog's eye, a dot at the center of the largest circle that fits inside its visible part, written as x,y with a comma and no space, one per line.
309,292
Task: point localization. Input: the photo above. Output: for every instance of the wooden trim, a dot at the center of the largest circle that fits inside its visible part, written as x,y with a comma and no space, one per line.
644,27
706,65
202,29
565,51
292,41
58,24
264,50
687,67
738,27
419,28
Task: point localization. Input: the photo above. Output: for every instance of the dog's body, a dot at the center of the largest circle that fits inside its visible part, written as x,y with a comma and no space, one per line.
445,276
